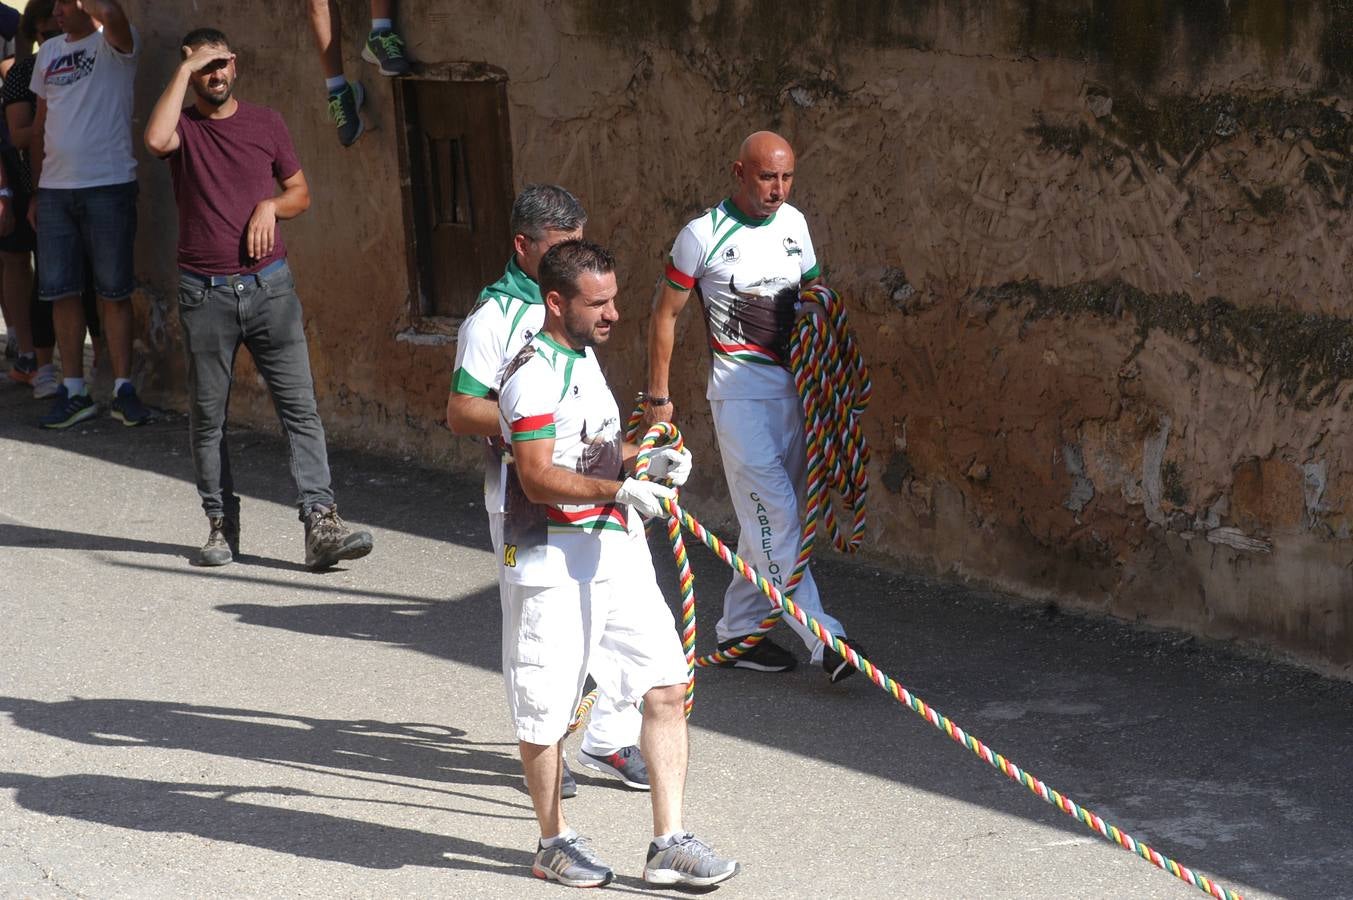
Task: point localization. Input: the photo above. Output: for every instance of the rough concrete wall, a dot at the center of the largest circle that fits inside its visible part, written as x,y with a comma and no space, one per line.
1095,252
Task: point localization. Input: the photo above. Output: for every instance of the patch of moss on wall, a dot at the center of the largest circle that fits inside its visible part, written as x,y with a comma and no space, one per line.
1336,45
1172,483
1130,39
764,27
1304,356
1178,126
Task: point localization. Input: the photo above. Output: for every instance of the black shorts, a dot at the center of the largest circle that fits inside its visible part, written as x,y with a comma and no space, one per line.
21,239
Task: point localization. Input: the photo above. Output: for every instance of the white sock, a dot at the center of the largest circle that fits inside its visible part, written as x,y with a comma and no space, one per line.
47,369
74,386
118,383
335,84
666,840
567,834
382,25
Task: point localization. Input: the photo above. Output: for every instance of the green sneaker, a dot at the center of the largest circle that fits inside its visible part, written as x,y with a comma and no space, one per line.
386,50
344,109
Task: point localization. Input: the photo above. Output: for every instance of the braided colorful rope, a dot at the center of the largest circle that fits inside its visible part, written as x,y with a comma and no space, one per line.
834,385
948,726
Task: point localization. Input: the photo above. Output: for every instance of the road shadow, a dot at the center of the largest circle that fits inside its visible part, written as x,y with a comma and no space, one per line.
220,812
20,536
437,753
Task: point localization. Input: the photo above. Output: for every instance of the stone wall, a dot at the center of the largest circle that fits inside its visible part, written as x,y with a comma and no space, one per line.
1095,251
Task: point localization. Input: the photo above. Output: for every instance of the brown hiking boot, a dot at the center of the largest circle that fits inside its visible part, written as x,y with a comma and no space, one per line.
216,551
328,539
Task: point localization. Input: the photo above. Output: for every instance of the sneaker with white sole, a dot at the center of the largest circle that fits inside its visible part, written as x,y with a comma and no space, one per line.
572,863
626,764
67,410
46,382
766,656
385,49
688,861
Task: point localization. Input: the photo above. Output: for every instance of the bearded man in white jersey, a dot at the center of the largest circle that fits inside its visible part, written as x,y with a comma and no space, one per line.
509,313
748,258
579,590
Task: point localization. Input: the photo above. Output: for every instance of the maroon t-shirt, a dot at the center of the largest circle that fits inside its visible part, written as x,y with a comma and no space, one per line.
221,170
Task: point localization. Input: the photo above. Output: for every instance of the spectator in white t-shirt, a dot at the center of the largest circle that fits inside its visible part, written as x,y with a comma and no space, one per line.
86,195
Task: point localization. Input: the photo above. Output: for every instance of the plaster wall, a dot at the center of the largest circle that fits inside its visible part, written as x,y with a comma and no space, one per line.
1096,254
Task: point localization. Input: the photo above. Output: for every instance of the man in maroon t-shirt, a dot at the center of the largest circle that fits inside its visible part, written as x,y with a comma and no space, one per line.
227,159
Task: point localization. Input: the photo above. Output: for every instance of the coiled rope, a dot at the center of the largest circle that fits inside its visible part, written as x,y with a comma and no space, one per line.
834,389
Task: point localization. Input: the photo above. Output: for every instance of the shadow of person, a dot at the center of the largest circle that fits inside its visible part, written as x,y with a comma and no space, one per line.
20,536
221,813
465,631
12,535
406,749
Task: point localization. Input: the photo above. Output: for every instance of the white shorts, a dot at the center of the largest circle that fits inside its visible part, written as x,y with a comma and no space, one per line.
553,635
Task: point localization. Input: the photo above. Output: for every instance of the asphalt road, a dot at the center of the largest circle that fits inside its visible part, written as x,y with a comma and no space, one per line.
259,730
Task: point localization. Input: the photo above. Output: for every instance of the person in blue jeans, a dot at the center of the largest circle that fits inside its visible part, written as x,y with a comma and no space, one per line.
85,207
227,159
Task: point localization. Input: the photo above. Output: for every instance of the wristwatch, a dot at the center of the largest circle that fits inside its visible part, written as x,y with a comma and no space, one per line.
657,401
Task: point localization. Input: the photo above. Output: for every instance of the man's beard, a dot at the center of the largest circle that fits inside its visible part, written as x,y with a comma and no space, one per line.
218,100
581,337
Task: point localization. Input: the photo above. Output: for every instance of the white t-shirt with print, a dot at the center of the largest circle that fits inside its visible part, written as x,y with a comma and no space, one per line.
551,391
508,314
88,86
747,272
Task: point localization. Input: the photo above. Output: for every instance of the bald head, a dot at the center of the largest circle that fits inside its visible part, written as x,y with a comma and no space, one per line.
765,172
762,146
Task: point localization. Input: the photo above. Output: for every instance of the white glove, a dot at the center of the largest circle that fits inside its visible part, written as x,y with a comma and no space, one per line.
644,496
670,464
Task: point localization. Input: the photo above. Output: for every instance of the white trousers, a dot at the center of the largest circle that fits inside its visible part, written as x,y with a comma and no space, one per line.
765,460
611,725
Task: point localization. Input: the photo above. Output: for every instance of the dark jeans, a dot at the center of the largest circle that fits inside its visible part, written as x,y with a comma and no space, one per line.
44,331
262,313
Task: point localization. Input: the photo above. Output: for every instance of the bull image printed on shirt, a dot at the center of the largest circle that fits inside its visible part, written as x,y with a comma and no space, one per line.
585,426
760,317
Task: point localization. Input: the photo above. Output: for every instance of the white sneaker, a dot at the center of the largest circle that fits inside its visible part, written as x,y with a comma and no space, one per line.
45,383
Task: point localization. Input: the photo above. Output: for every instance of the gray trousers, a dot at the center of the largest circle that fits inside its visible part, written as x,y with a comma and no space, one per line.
263,313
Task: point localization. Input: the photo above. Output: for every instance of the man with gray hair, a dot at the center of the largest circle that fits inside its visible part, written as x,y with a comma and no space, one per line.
509,313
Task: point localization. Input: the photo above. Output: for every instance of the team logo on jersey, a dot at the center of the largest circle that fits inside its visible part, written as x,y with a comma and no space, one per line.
526,335
792,247
732,254
575,390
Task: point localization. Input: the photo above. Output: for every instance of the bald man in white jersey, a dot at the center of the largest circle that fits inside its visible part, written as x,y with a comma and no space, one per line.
748,257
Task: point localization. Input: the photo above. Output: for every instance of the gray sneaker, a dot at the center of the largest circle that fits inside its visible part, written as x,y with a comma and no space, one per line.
328,539
216,551
572,863
627,764
689,861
